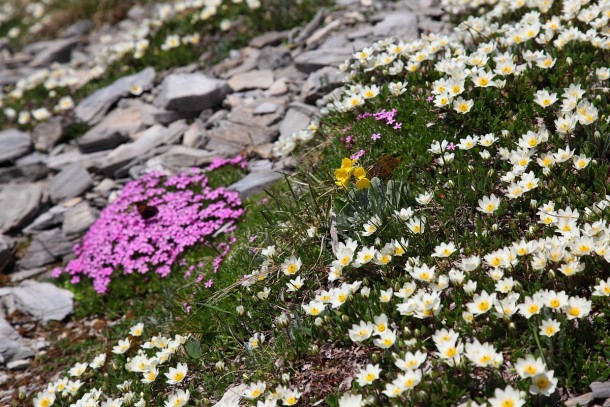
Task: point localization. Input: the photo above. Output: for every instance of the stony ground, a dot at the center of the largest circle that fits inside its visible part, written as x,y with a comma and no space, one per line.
51,189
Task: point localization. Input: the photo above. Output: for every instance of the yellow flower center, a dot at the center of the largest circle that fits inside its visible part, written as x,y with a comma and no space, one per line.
451,352
483,305
573,311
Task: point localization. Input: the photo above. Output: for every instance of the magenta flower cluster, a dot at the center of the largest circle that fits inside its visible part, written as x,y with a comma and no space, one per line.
150,224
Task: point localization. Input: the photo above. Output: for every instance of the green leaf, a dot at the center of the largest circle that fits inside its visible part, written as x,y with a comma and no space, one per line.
193,348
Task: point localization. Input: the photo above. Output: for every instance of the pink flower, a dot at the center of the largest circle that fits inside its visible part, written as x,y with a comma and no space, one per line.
208,283
376,136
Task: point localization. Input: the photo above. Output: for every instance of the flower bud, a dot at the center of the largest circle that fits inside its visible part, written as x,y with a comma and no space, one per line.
318,321
569,61
490,173
345,318
494,227
533,204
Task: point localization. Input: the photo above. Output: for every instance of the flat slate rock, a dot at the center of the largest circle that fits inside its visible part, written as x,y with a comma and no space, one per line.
46,248
255,182
70,182
52,51
43,300
269,38
11,344
113,130
146,141
402,25
92,109
78,218
13,144
601,390
18,204
295,120
322,82
311,61
190,92
182,157
256,79
46,134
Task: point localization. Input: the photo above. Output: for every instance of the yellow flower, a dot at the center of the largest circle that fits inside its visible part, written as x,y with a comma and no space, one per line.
363,183
346,164
359,173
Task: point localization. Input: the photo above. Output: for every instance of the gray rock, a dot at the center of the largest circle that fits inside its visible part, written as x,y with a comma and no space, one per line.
259,165
256,79
6,252
93,108
190,92
279,87
146,141
70,182
11,344
294,121
269,38
113,130
601,390
77,29
266,108
46,134
13,144
77,219
195,136
52,51
255,182
581,401
46,248
182,157
29,168
22,275
230,138
401,25
18,204
311,61
25,173
273,58
63,160
20,364
321,82
47,220
152,115
104,187
43,300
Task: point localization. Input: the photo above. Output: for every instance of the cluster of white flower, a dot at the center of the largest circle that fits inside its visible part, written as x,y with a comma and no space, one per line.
142,363
135,41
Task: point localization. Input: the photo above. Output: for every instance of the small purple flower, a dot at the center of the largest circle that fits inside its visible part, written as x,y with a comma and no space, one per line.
429,98
208,283
451,146
375,136
122,241
357,155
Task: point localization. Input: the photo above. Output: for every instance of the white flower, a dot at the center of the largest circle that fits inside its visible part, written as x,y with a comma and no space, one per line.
177,374
121,347
137,329
178,399
368,375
